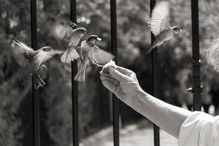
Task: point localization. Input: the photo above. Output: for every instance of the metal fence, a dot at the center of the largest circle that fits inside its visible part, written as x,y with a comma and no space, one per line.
154,70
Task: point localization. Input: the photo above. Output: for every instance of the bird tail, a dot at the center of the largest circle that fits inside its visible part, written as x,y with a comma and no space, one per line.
155,44
69,55
80,76
37,79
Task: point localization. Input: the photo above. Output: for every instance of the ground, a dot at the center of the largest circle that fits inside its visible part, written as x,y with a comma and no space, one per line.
131,135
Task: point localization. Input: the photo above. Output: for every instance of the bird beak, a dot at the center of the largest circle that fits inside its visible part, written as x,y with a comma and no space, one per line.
99,39
73,25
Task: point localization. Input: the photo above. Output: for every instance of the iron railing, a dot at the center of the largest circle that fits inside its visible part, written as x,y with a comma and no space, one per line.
116,111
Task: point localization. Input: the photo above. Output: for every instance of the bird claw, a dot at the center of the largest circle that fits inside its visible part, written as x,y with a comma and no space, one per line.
43,67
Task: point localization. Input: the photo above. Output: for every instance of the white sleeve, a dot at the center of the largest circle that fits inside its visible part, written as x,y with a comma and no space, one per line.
199,129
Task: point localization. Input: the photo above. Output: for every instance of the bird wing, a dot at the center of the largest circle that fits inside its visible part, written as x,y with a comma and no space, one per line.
148,20
83,51
99,56
22,53
160,18
43,56
74,38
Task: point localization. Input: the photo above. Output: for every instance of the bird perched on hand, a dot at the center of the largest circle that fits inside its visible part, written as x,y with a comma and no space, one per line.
159,24
72,38
89,52
33,59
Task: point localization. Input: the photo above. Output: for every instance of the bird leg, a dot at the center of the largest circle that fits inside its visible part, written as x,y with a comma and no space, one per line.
93,62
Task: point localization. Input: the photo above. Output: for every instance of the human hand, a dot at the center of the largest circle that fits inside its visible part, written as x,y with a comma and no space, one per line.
121,81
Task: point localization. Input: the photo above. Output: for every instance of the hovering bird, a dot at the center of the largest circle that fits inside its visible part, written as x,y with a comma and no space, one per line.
72,38
57,26
33,59
159,24
66,33
89,52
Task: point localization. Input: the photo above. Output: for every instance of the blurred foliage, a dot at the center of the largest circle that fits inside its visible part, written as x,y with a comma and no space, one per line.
175,63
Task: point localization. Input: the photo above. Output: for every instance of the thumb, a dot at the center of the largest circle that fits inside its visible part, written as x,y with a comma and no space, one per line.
117,75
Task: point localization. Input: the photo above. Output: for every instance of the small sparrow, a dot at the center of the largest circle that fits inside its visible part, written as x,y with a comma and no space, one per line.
160,24
33,59
57,26
72,38
65,31
89,52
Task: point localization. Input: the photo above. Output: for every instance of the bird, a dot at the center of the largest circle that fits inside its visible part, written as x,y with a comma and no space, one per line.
72,39
67,33
159,24
33,59
90,53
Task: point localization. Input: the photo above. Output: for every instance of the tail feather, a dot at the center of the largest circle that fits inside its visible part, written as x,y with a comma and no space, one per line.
150,49
38,81
69,55
155,44
80,76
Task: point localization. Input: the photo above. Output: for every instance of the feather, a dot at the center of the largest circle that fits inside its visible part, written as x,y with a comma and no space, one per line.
22,53
160,18
99,56
69,55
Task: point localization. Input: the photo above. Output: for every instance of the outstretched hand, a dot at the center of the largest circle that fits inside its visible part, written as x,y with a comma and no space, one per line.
121,81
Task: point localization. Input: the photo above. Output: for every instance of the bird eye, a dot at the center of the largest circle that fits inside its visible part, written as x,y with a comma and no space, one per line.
62,23
176,29
47,49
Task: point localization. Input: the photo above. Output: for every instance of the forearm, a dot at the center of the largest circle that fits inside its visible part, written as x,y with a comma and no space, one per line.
166,116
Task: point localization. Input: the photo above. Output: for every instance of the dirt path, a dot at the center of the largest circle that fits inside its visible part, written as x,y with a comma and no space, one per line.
130,136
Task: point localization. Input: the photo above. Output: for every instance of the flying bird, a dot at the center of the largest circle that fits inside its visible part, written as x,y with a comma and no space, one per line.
66,33
33,59
57,26
72,39
159,24
90,53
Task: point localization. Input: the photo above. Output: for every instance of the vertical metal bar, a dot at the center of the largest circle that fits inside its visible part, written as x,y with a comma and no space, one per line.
74,69
196,56
155,80
36,92
116,113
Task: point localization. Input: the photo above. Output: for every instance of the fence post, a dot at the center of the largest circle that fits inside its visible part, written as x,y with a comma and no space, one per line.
116,113
155,79
35,92
74,69
195,54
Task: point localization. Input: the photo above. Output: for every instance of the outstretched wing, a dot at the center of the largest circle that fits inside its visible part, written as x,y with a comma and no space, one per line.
22,53
99,56
74,37
160,18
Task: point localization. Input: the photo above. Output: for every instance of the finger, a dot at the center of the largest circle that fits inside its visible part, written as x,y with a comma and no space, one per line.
108,77
104,74
117,75
109,83
124,70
